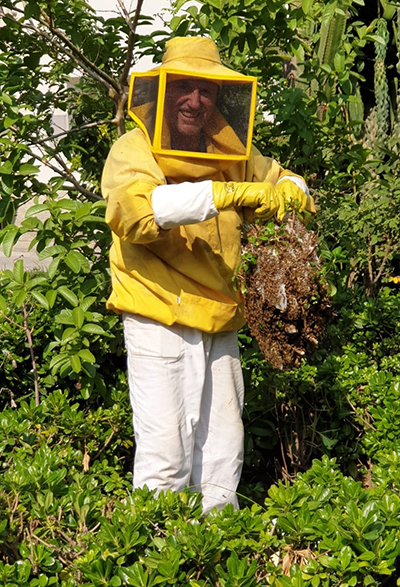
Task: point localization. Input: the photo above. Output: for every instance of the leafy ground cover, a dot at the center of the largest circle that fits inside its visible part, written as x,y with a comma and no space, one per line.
69,520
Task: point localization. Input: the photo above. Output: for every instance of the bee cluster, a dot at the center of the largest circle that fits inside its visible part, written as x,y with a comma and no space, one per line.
286,303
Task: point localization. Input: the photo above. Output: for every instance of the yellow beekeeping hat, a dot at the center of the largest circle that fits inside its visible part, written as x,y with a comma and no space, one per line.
228,133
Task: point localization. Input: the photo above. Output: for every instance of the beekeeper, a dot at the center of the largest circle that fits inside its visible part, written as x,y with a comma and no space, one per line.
177,189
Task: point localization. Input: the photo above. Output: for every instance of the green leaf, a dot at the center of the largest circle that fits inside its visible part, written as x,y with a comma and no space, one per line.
41,299
100,205
68,295
373,535
19,297
346,555
83,210
77,262
339,61
87,302
6,98
214,3
217,25
66,204
252,42
8,121
328,442
306,6
225,35
9,239
6,168
57,183
52,268
85,392
65,317
78,316
36,209
4,204
69,335
32,9
87,356
51,297
389,9
92,219
52,251
134,575
203,19
93,329
174,23
76,364
193,11
3,305
18,271
367,556
376,38
31,283
58,361
28,169
179,3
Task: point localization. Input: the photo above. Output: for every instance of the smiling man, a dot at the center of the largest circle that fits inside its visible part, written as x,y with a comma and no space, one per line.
189,104
177,189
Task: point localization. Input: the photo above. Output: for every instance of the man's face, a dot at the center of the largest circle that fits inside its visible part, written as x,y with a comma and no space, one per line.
189,103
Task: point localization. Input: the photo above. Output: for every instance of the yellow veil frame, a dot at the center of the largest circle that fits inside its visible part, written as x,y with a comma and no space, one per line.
162,72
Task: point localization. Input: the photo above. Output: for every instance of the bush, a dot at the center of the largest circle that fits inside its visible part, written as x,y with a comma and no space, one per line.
69,521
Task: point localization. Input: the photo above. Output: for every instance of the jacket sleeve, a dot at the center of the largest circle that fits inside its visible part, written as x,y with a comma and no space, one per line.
267,169
183,203
129,177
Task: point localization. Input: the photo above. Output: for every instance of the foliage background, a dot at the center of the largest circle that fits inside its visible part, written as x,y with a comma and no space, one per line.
322,442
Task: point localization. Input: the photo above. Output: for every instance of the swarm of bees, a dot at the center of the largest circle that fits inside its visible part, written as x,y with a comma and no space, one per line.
286,303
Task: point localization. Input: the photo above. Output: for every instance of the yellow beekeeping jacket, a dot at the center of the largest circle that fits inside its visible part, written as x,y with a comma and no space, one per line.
182,275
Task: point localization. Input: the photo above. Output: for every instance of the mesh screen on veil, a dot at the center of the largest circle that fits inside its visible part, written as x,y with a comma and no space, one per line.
143,103
225,127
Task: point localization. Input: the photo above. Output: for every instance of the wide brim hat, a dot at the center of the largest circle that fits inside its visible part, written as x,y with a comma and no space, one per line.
197,56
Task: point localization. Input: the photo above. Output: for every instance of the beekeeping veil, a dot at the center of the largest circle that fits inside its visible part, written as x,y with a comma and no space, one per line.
227,133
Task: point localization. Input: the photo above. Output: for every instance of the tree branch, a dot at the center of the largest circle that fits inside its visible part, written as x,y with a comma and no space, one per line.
33,359
11,321
385,257
105,444
69,176
131,39
72,51
77,53
71,130
65,173
370,268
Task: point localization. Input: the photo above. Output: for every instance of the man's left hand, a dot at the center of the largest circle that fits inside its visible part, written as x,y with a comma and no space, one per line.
292,197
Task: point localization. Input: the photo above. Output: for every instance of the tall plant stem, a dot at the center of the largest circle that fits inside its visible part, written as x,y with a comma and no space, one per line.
30,343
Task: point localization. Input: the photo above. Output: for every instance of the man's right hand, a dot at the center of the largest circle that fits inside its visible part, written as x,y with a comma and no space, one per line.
262,197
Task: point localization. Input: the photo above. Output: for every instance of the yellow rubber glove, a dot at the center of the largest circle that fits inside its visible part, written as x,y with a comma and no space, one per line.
292,198
261,197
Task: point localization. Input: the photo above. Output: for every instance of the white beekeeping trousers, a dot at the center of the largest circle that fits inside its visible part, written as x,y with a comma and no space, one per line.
186,390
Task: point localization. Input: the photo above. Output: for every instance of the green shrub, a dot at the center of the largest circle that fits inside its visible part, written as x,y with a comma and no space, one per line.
61,525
